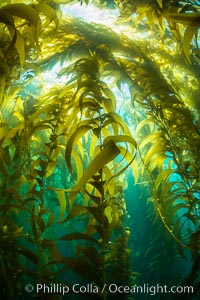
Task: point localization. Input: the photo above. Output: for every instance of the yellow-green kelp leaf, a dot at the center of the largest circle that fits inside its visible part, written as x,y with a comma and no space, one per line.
151,138
25,12
18,41
156,161
188,36
110,184
2,84
62,203
191,19
155,149
78,164
130,158
19,44
146,122
114,117
98,184
109,152
3,126
128,151
109,102
19,116
50,168
13,131
78,236
108,212
162,177
160,3
80,131
76,210
48,11
122,139
92,197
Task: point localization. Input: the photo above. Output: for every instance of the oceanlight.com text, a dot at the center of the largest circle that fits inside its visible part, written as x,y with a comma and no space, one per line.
151,289
58,288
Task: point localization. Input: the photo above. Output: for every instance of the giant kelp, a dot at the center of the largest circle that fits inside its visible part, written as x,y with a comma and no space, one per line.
55,217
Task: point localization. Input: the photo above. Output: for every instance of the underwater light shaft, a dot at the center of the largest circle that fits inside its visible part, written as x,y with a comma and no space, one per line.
96,15
107,17
90,13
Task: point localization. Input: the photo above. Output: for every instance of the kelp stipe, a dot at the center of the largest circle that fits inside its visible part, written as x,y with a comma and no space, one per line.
103,130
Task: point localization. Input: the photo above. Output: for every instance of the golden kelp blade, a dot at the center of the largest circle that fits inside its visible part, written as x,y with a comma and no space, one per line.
79,132
188,36
190,19
62,204
25,12
49,12
109,152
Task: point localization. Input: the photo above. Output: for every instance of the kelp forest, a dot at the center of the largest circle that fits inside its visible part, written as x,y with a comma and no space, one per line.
99,149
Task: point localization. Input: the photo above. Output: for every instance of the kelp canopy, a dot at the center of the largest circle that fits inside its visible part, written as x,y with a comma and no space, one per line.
88,91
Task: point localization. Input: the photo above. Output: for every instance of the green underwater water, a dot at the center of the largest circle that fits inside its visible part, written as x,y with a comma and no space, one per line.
153,256
99,150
